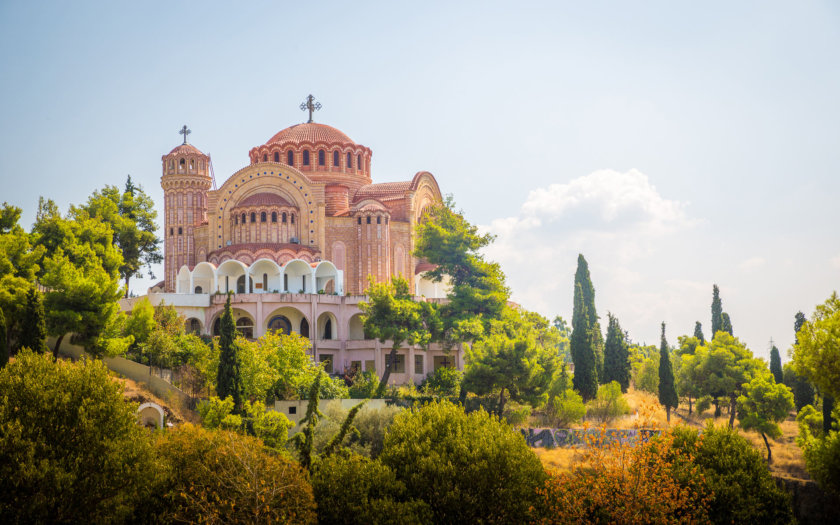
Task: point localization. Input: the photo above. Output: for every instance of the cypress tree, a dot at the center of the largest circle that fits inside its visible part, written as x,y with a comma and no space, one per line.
4,348
803,390
228,377
726,324
583,278
585,380
33,327
776,365
698,332
798,321
667,390
717,311
616,355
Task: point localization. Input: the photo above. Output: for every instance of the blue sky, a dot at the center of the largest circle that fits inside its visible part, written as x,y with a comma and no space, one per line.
674,145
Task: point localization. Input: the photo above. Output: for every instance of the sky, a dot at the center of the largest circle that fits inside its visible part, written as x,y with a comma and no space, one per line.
675,145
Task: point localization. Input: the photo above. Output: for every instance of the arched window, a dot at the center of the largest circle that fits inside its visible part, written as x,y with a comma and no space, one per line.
265,282
253,217
284,217
358,161
281,323
293,218
171,231
240,284
322,157
243,218
193,326
367,219
182,162
335,158
198,290
262,217
236,219
180,230
265,157
306,157
276,156
359,220
378,220
274,216
192,164
349,161
217,326
245,327
328,329
290,158
304,327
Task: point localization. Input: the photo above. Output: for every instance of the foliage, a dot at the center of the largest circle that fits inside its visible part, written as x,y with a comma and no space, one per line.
33,329
698,333
517,357
646,375
608,404
564,331
816,354
616,355
4,349
216,476
364,385
270,426
390,313
358,490
726,324
218,413
443,382
372,424
582,347
762,406
141,322
516,415
469,468
667,389
565,409
717,311
776,365
229,375
70,446
644,482
131,215
304,440
735,476
820,449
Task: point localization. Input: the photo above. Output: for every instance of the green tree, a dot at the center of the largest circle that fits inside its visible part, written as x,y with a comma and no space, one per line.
726,324
762,406
821,450
687,380
803,390
33,330
776,365
131,215
391,314
71,450
564,332
597,339
582,349
667,389
698,333
816,355
469,468
229,375
616,355
4,349
717,311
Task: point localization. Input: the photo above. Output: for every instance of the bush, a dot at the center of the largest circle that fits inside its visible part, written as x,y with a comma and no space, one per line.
443,382
469,468
609,403
70,446
364,385
624,483
821,450
564,409
735,476
223,477
372,424
218,413
358,490
268,425
517,415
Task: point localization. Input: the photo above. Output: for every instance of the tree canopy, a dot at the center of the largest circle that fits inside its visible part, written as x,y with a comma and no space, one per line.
762,406
816,354
667,389
616,355
229,375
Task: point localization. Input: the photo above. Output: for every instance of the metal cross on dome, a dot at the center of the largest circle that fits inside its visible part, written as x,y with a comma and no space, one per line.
311,105
185,131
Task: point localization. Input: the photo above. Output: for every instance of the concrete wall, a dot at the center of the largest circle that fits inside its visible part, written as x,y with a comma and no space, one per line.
295,410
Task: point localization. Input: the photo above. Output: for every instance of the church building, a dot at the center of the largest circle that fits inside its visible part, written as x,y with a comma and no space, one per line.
295,235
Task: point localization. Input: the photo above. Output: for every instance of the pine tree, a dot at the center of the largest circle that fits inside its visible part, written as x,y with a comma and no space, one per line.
717,311
776,365
667,390
4,349
726,324
228,377
33,328
698,333
798,321
616,355
585,380
583,278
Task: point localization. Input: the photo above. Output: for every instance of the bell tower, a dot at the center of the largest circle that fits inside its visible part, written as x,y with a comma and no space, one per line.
185,182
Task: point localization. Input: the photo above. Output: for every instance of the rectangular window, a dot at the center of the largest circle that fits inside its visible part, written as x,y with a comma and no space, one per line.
356,366
399,365
327,359
418,364
444,360
370,366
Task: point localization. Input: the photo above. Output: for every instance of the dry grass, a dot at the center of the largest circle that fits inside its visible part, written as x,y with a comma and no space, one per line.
138,393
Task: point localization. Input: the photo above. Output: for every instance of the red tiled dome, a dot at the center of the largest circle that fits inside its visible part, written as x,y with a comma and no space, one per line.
185,149
311,132
263,199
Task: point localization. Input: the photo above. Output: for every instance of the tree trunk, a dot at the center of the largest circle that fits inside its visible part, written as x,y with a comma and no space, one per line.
57,346
126,286
717,407
767,444
732,412
667,413
689,406
383,383
501,406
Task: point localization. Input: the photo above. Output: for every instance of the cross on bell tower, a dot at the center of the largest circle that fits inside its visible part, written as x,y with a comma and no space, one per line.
311,105
185,131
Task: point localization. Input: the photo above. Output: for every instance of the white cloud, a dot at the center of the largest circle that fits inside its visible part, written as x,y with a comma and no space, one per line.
752,263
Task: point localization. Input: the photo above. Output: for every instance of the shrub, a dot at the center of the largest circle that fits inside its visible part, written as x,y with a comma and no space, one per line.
609,403
443,382
735,476
372,424
821,450
364,385
358,490
218,413
469,468
270,426
70,446
564,409
517,415
223,477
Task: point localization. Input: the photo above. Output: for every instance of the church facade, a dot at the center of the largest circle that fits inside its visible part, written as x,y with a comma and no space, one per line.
295,235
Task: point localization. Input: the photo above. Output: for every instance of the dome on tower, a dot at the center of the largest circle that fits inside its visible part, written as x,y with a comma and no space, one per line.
311,132
185,149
